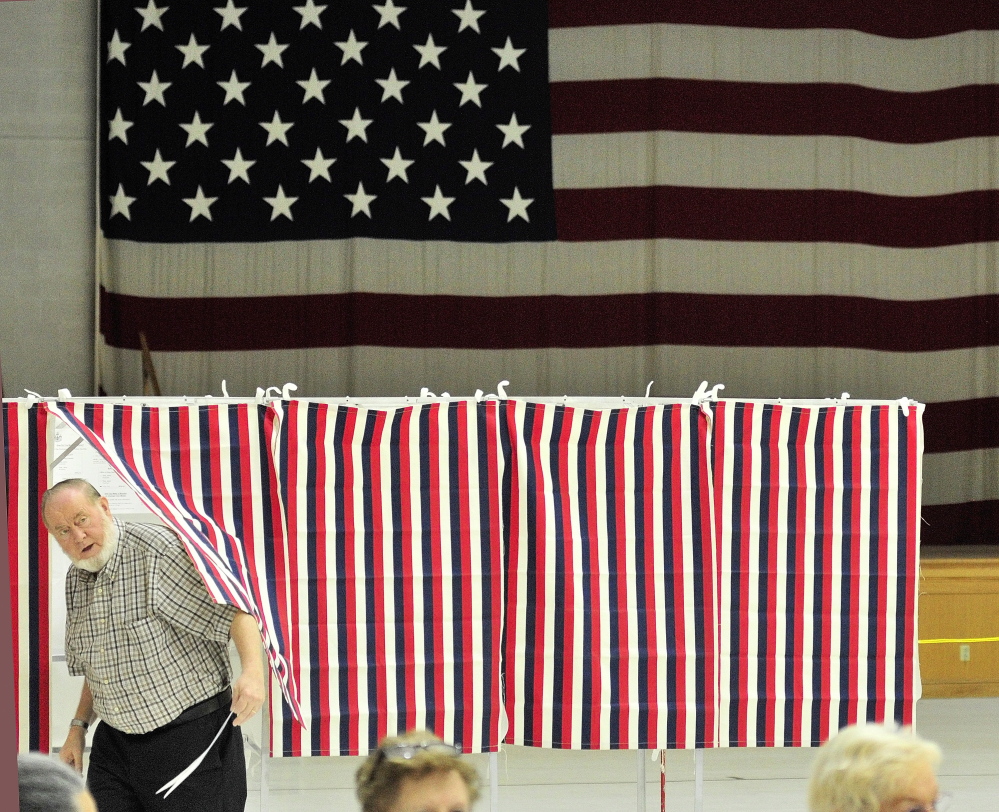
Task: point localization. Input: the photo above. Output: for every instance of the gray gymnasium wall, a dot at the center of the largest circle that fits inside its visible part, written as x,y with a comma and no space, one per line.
47,52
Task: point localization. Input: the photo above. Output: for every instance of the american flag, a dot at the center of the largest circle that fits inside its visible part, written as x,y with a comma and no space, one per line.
792,199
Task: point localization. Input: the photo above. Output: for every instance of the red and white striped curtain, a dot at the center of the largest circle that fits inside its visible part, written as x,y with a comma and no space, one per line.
610,598
26,451
534,573
395,548
816,521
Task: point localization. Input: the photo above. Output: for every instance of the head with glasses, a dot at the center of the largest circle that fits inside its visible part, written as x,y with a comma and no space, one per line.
875,768
416,772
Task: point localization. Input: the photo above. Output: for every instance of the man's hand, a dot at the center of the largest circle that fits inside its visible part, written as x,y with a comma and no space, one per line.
247,694
72,750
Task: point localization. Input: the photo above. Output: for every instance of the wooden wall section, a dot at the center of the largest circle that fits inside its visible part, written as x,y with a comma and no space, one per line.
959,600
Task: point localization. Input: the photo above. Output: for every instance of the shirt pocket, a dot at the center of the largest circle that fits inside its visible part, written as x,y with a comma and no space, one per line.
147,641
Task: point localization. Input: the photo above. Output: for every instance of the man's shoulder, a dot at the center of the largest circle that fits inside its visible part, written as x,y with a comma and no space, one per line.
151,539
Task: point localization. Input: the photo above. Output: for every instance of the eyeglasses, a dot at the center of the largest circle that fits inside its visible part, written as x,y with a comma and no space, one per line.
409,750
941,804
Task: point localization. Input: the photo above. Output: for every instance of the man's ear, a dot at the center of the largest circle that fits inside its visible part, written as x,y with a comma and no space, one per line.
105,505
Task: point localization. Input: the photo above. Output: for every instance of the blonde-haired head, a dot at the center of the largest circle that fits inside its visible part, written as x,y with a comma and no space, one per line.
380,777
865,765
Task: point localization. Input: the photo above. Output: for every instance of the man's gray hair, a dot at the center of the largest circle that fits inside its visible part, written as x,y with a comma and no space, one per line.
45,784
75,484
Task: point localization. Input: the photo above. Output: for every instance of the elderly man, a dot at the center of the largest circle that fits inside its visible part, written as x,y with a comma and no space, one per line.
152,646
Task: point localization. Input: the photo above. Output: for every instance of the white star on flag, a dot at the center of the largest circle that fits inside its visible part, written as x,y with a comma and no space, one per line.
470,91
351,48
438,204
158,168
360,201
118,127
389,14
476,168
277,130
310,14
430,53
397,166
120,203
517,205
319,167
200,205
392,86
238,167
509,56
313,87
154,90
272,51
357,127
152,15
230,15
434,129
234,89
193,52
469,17
513,131
117,48
197,130
280,204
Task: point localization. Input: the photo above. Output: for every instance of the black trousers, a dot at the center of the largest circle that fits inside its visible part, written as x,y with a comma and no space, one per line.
126,769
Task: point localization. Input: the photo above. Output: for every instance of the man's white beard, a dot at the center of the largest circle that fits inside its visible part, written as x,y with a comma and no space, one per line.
96,564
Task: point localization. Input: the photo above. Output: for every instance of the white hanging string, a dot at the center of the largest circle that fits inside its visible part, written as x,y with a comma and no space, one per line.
182,776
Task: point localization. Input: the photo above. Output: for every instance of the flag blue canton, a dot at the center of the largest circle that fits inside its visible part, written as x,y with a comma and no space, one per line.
264,121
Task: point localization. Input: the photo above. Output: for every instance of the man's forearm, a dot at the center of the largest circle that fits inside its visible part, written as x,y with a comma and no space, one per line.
248,691
244,634
85,708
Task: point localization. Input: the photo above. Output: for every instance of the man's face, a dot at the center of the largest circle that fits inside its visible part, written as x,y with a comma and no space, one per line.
81,527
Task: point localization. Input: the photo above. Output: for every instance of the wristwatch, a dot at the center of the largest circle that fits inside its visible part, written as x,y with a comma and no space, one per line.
80,723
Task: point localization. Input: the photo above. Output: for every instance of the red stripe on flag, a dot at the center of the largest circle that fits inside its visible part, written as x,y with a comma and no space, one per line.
919,18
771,108
531,322
776,215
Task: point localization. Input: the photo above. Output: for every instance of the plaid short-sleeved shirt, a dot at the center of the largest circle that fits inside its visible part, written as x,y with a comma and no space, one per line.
145,632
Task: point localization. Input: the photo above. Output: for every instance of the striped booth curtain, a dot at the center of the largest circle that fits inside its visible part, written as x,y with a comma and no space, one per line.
669,575
610,593
26,453
817,526
395,546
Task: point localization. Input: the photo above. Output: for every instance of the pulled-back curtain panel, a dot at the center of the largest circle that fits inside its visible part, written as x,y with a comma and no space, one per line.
206,471
817,526
26,458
